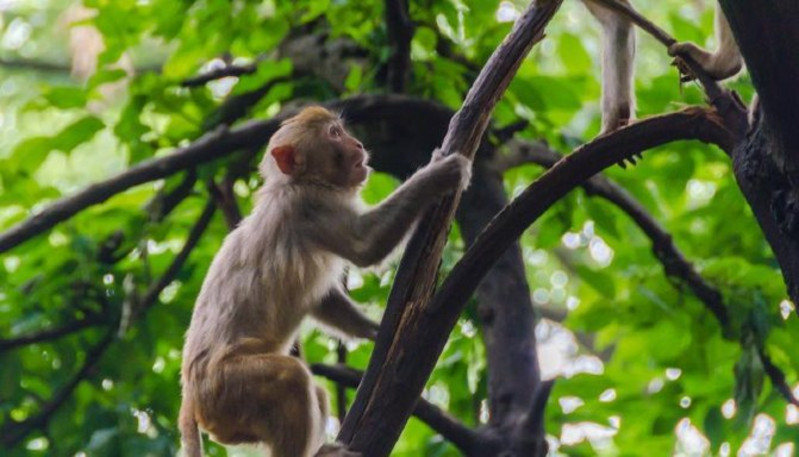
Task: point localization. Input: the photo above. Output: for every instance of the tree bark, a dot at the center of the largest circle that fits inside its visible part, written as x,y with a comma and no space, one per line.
766,161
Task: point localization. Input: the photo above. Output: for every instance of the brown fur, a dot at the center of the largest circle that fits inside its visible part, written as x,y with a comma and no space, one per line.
283,262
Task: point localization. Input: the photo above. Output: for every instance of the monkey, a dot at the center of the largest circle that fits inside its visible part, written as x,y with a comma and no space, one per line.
283,262
618,58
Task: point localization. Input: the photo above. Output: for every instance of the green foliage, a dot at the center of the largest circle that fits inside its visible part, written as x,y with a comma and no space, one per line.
641,354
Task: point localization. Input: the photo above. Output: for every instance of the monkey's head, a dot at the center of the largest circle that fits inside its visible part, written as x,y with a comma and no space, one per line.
314,147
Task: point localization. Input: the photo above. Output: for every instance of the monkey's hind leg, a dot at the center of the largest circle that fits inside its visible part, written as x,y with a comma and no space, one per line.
273,397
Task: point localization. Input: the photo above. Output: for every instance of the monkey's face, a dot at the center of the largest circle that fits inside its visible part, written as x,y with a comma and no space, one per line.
343,158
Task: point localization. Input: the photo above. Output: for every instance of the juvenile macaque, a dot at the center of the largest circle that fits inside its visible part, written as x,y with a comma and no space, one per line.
618,58
283,262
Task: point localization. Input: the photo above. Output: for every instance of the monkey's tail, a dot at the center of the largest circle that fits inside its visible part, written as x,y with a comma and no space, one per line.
189,430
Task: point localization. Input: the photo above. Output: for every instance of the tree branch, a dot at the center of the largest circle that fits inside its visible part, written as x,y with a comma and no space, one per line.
219,73
416,347
400,33
211,146
439,420
777,377
49,334
155,289
225,198
564,176
214,145
674,261
37,65
373,429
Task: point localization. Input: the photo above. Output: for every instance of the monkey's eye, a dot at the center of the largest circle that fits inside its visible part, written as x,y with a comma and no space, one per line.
335,131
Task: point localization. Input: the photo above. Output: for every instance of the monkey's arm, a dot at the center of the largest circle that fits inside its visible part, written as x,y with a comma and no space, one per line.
366,239
722,64
338,311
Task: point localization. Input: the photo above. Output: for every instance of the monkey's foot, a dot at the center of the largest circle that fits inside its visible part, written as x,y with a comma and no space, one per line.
336,450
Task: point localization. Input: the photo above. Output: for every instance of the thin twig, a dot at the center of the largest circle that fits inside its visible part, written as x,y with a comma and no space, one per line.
151,296
49,334
777,377
219,73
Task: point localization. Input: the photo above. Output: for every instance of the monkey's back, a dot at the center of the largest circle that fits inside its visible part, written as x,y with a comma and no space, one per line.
261,283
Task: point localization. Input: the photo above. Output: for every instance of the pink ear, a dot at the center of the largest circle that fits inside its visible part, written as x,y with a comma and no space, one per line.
284,155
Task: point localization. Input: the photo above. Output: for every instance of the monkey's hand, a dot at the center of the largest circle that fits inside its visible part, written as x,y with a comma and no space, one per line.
715,65
452,171
336,450
680,51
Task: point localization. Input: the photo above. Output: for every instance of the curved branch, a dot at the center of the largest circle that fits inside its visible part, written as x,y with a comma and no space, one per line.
674,261
437,419
563,177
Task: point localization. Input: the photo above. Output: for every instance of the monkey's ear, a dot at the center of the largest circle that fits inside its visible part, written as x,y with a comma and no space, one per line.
284,156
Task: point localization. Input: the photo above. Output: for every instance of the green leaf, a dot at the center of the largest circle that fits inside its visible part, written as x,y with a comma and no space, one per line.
599,280
66,97
29,154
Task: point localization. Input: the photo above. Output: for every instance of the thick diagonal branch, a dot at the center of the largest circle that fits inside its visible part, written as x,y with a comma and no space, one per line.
386,396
